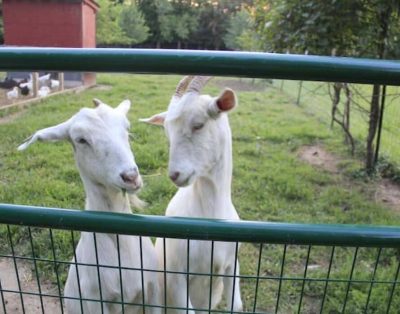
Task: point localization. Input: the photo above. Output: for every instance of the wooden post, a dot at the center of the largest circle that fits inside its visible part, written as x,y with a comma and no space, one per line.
35,83
61,80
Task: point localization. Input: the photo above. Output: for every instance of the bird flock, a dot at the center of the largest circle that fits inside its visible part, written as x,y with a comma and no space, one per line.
16,89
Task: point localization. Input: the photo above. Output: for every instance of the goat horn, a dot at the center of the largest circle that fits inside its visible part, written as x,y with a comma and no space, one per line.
182,86
197,84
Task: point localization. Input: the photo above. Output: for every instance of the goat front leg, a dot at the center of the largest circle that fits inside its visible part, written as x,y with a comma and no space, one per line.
177,295
232,285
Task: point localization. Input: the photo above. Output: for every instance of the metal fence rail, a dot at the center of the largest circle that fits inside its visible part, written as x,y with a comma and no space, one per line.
241,64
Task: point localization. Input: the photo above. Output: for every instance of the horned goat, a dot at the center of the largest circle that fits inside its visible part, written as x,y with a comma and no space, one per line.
200,164
108,170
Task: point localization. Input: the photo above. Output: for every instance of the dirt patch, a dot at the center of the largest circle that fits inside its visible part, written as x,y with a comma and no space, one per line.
10,117
385,190
242,85
101,87
388,193
319,157
32,303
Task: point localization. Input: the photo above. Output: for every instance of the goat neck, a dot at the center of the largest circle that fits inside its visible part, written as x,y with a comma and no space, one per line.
213,192
102,198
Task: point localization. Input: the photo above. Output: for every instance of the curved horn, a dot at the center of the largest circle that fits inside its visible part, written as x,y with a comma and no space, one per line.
181,87
197,84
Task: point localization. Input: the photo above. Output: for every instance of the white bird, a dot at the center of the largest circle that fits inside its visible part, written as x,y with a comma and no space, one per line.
13,94
44,78
43,91
54,84
28,84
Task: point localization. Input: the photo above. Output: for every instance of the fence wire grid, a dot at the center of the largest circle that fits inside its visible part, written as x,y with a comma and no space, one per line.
280,278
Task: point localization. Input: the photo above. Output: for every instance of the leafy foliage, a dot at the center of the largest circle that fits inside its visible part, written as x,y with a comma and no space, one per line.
119,25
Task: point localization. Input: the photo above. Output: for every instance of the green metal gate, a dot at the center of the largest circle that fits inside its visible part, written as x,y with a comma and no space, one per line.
357,265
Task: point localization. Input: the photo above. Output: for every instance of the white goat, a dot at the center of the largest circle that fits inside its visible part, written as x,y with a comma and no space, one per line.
107,167
200,164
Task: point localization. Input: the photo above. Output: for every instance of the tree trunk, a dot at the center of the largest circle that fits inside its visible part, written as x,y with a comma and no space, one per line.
372,127
383,18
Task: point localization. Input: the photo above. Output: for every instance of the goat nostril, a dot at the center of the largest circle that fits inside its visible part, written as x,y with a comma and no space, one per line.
174,175
129,177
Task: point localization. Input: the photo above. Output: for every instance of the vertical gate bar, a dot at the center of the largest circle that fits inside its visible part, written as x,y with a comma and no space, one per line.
393,287
56,270
211,276
120,275
304,276
2,298
98,272
16,269
327,279
141,274
258,277
373,279
350,278
36,269
280,279
187,276
77,270
234,274
380,126
165,277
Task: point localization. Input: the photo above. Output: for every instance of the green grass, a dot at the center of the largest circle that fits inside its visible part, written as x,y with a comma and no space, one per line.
270,183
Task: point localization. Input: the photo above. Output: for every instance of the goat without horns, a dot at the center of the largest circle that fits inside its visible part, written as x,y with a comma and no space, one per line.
108,170
200,164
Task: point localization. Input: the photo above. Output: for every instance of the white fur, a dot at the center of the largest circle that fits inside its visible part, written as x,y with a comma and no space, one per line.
13,94
103,156
44,91
201,151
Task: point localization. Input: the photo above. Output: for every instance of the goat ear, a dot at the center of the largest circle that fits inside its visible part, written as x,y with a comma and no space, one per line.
225,102
124,106
97,102
157,119
54,133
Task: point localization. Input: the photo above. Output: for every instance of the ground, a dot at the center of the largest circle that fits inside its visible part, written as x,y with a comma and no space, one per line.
288,167
386,192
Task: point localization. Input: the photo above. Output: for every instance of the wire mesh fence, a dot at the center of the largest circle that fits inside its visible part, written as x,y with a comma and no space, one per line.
315,97
289,267
354,270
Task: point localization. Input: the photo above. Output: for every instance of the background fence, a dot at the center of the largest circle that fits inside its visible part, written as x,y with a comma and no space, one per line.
315,98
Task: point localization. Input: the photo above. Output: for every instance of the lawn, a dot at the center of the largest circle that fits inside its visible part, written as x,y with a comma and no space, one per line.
270,183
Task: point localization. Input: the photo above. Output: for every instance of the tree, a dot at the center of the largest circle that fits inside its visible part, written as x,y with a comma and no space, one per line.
108,30
241,34
120,24
133,25
367,28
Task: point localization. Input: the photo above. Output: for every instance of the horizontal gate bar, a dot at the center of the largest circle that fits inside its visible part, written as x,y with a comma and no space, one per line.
219,63
201,229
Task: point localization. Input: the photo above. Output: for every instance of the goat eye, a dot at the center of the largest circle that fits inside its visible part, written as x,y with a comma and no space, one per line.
81,140
197,127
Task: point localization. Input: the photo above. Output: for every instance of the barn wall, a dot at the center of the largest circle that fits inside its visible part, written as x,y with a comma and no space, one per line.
48,24
44,23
